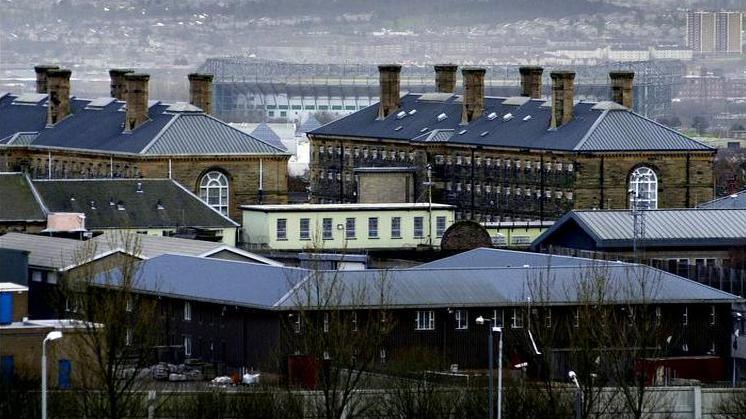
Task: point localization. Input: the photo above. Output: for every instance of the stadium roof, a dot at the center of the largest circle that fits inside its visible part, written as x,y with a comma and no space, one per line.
97,125
613,229
509,123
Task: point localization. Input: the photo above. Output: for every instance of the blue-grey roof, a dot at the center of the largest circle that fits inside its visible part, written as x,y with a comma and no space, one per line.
511,123
310,124
18,202
213,280
733,201
495,258
265,133
663,227
282,288
97,125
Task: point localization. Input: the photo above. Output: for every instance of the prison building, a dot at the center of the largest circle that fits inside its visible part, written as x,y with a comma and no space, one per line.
509,158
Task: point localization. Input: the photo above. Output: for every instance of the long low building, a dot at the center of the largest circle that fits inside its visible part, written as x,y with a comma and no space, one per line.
258,308
346,227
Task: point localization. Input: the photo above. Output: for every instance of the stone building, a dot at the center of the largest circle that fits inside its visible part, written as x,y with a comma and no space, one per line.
514,158
52,135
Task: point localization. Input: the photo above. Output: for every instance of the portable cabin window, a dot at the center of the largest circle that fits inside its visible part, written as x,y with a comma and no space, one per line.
282,229
350,227
462,319
440,226
418,228
517,319
305,229
395,227
425,320
373,227
326,225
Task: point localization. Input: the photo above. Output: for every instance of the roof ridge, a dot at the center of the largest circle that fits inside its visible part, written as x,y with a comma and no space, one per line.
160,133
227,125
205,203
591,130
686,137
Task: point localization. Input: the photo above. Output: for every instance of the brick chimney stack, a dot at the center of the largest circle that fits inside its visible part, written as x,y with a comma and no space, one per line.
41,77
137,100
389,79
445,77
58,84
621,87
200,91
563,94
118,86
531,81
473,94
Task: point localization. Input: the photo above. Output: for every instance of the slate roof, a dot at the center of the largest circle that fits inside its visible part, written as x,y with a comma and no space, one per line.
663,227
265,133
513,123
734,201
281,288
97,125
310,124
17,199
140,209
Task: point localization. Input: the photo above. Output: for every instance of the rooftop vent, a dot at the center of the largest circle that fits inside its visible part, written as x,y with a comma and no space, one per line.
92,204
120,206
492,116
442,117
159,205
401,114
526,118
111,202
507,117
139,187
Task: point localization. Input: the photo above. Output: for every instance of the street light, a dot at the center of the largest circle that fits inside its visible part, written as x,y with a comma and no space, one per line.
53,335
481,320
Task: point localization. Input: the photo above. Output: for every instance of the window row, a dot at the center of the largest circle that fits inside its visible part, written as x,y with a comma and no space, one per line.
350,228
488,189
459,160
366,153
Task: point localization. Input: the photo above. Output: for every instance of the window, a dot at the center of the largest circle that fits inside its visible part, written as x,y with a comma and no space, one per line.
305,229
712,315
326,322
36,276
548,318
418,228
354,321
326,225
51,277
440,226
350,228
395,227
187,311
383,356
576,317
373,227
128,336
187,345
297,324
213,189
282,229
643,182
517,321
462,319
425,320
685,317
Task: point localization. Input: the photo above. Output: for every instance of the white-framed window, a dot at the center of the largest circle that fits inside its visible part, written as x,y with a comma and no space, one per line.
187,310
685,317
440,226
425,320
354,321
297,324
419,231
382,355
643,182
305,229
350,227
282,229
517,319
327,230
373,227
462,319
326,322
213,189
51,277
187,345
395,227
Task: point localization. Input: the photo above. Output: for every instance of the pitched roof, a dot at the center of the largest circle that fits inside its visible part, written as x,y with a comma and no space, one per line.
97,125
493,258
19,202
61,253
265,133
268,287
663,227
733,201
116,203
512,123
310,124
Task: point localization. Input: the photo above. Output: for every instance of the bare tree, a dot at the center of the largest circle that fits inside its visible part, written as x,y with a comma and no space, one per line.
120,329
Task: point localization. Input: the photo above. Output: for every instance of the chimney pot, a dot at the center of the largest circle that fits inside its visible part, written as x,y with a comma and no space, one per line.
563,95
531,81
118,86
137,100
41,71
200,91
58,83
473,94
621,87
445,77
389,80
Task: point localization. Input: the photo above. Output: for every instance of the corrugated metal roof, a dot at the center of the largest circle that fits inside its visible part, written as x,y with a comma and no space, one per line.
201,134
527,127
663,227
265,133
494,258
734,201
46,252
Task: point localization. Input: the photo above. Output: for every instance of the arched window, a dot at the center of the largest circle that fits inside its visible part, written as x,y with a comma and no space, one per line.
643,185
213,189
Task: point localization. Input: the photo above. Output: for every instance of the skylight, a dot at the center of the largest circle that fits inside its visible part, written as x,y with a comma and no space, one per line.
507,117
412,112
526,118
462,132
484,134
399,128
401,114
492,116
442,117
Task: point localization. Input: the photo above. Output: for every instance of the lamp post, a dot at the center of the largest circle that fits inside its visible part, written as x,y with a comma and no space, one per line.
53,335
481,320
